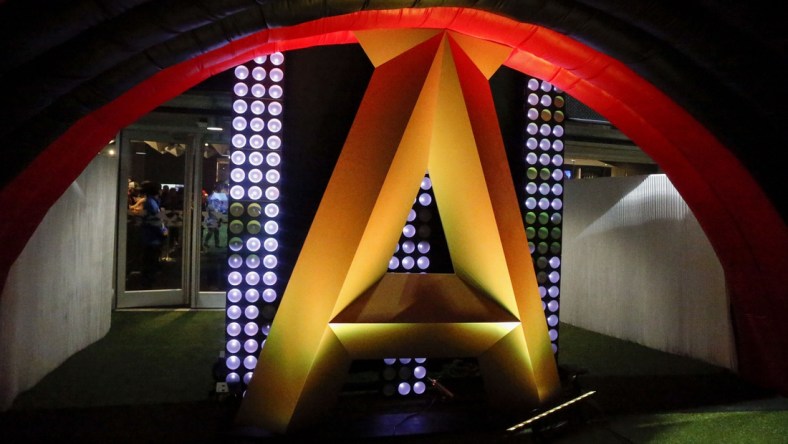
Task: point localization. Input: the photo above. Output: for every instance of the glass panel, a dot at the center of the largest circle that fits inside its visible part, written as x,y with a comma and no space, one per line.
154,222
213,241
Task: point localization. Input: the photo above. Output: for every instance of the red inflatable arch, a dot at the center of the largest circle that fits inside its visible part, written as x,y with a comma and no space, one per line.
721,193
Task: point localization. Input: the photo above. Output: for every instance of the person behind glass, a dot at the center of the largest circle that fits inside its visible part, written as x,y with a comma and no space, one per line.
216,208
154,232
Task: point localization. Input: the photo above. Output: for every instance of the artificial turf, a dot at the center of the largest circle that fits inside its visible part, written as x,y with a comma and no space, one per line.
151,379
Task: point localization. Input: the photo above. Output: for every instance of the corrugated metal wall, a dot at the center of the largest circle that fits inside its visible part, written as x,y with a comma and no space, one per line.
637,266
58,296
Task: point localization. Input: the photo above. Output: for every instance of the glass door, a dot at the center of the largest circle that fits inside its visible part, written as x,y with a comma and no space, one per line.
172,234
211,167
152,239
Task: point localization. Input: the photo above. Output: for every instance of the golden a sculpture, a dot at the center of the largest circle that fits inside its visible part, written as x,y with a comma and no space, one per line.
428,107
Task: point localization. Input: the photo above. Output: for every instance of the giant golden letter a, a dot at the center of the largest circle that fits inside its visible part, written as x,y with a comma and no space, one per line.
428,107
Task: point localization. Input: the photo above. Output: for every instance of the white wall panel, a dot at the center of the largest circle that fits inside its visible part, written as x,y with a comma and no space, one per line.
637,266
58,296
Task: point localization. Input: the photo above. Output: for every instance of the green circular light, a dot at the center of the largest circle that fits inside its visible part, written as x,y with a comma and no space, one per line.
254,210
530,217
236,243
253,227
532,173
530,232
236,209
236,227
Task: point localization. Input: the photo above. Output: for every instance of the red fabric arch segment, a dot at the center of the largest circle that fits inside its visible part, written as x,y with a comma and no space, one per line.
722,194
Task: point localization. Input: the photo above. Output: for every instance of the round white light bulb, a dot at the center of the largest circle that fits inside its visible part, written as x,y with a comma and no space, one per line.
258,107
238,158
270,244
239,106
271,210
251,328
252,295
258,73
239,123
258,90
256,141
269,278
233,346
234,295
252,278
274,142
275,91
241,72
239,140
273,159
276,75
240,89
277,58
256,159
269,295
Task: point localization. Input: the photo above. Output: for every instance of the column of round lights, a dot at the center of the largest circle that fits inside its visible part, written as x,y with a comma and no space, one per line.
411,255
255,174
543,203
412,251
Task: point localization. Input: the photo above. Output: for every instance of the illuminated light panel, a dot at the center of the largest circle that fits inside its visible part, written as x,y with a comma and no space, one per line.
254,209
411,255
542,202
435,84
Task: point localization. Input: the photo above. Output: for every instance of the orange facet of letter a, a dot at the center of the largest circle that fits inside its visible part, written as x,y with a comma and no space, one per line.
428,107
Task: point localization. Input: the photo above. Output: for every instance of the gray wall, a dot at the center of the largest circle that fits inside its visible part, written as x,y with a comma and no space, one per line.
637,266
58,296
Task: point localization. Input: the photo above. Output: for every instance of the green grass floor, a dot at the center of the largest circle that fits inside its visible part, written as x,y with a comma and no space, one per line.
151,380
148,357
